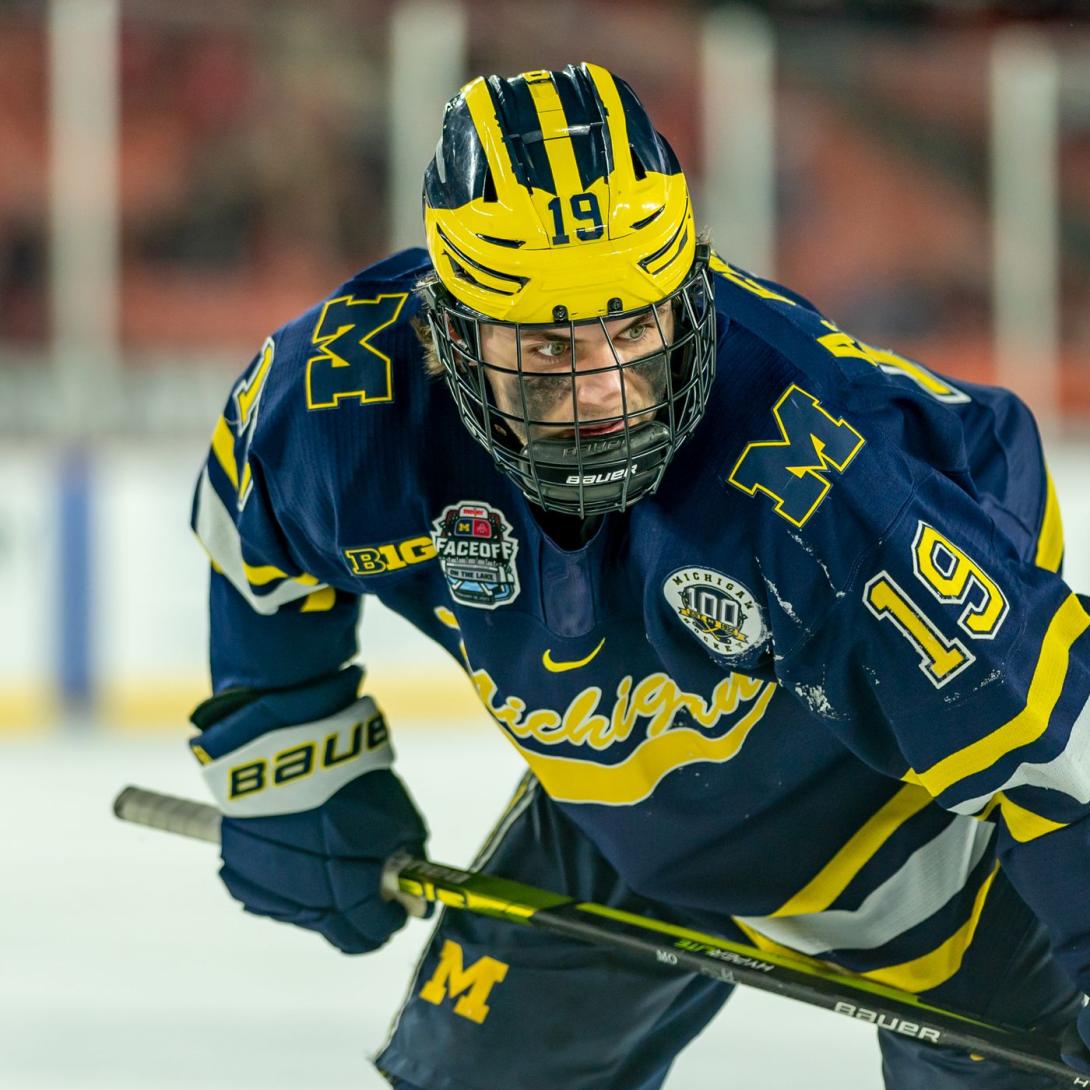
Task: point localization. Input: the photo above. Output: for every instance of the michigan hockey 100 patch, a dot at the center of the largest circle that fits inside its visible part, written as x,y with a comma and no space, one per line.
477,550
722,612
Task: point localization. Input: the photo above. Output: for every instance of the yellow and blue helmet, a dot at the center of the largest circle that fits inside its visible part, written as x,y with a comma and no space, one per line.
553,209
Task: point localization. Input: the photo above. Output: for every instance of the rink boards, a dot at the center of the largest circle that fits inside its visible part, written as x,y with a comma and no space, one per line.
104,593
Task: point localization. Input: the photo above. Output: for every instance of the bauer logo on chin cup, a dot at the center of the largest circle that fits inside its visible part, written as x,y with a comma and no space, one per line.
298,768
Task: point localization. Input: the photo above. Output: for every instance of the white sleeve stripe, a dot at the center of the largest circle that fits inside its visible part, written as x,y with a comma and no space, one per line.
1069,772
218,533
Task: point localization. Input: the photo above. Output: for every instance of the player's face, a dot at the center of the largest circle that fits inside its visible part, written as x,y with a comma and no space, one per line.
597,374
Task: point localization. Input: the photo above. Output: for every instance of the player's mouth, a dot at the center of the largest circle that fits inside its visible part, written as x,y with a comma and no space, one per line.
595,429
601,429
584,431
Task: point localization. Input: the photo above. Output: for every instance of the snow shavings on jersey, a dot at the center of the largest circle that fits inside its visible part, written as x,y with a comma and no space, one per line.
815,698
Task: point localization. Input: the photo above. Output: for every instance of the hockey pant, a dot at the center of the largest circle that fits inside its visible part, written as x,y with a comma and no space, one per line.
493,1005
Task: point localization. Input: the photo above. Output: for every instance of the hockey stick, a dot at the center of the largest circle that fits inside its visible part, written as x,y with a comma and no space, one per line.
415,881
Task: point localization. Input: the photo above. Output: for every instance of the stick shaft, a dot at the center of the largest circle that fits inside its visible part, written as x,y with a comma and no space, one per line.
417,880
197,820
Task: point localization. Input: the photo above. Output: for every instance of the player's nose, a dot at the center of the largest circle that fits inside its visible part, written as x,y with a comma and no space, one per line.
598,382
598,394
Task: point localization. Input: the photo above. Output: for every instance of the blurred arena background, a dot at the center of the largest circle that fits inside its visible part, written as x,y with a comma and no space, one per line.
176,180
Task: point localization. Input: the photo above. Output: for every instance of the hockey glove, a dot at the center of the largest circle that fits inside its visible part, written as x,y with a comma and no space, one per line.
311,808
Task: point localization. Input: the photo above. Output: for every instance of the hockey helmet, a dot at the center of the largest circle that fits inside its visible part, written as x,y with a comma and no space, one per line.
570,307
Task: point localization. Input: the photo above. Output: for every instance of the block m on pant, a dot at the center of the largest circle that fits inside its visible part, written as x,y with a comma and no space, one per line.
472,985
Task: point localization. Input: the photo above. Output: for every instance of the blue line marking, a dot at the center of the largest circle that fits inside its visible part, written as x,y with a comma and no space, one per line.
74,604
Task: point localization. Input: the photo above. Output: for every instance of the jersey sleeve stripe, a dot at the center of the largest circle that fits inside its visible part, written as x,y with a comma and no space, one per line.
217,532
921,973
824,888
1067,624
260,575
319,601
930,877
1050,541
1068,773
932,969
1023,824
223,447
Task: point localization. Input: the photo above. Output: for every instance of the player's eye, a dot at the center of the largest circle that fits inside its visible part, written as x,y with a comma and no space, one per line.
635,332
551,350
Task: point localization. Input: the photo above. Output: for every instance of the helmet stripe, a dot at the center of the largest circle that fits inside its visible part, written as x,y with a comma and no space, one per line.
586,116
521,130
554,131
483,110
615,121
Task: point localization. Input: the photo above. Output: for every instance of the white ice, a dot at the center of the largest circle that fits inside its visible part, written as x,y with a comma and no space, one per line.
125,966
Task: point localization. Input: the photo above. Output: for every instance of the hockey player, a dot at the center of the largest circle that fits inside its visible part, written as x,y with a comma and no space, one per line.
773,616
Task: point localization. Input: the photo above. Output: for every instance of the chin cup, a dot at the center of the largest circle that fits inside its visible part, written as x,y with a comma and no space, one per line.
608,471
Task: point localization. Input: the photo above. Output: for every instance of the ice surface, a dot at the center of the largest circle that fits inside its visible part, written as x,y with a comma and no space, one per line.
125,966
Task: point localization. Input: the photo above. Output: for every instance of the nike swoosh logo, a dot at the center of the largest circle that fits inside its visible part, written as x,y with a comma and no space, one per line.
555,667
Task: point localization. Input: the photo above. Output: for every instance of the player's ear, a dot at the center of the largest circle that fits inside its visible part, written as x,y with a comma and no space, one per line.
463,339
456,331
468,336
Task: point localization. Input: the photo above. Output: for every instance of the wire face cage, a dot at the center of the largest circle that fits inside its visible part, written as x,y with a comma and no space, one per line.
583,416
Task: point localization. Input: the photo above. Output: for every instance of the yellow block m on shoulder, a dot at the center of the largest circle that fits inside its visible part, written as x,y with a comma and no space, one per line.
793,471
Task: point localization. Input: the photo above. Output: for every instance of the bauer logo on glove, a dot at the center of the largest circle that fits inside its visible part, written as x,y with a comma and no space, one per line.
299,767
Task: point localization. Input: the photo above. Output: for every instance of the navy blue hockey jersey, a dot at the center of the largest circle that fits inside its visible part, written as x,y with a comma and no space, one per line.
819,684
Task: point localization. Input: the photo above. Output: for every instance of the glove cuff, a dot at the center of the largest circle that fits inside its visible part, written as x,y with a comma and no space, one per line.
296,768
235,716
